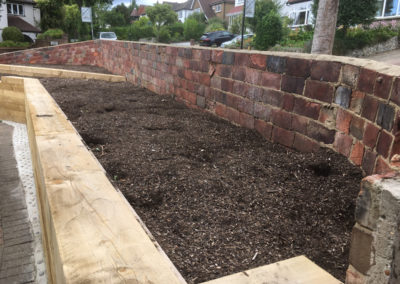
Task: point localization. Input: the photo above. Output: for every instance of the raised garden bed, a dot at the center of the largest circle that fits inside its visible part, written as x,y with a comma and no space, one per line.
218,198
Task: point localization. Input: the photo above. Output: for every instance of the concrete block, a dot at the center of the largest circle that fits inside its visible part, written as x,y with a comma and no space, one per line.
361,249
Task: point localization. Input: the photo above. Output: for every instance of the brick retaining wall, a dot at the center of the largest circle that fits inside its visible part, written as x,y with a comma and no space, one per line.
298,100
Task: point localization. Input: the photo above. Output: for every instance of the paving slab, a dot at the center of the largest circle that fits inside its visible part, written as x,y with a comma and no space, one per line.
390,57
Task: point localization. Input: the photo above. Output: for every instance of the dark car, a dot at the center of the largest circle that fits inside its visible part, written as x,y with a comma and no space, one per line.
216,38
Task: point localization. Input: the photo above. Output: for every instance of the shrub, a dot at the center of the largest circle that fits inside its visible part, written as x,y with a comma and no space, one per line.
176,28
215,24
164,35
193,29
51,34
236,27
269,31
12,34
121,32
10,43
140,29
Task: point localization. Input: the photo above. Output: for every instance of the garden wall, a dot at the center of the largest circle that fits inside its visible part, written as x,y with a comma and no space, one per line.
298,100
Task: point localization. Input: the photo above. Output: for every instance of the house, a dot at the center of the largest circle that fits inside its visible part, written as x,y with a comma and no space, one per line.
22,14
139,12
183,10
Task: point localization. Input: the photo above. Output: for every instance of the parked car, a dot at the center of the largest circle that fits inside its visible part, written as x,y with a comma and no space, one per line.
236,39
216,38
108,36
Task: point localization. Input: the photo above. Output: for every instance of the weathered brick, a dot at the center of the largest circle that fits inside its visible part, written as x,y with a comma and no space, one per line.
233,115
220,110
357,127
328,116
271,80
258,61
357,99
216,55
343,143
304,144
350,75
253,76
357,153
253,93
239,73
228,58
246,120
215,82
245,105
282,119
366,81
276,64
224,71
370,135
343,119
201,101
382,167
368,163
385,116
383,86
299,123
292,84
384,142
320,133
288,102
227,85
219,96
319,90
262,111
264,128
298,67
282,136
370,107
242,59
206,55
395,96
306,108
361,248
325,71
342,96
272,97
232,100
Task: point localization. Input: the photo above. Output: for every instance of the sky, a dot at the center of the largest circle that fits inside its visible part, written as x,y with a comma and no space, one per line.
143,2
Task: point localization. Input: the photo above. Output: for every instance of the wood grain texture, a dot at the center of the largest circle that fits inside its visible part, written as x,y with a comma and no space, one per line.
12,99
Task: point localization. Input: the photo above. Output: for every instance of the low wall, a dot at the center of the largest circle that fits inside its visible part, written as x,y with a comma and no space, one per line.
298,100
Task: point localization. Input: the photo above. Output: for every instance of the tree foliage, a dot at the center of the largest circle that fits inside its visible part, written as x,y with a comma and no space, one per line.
140,29
193,29
269,31
13,34
262,8
161,15
51,13
353,12
72,20
215,24
236,27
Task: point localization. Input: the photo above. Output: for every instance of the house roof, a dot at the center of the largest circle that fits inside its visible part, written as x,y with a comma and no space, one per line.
215,2
139,11
235,11
22,1
206,7
296,1
180,6
16,21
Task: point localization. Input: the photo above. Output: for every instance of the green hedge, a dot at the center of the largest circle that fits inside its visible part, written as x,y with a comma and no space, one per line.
12,34
51,34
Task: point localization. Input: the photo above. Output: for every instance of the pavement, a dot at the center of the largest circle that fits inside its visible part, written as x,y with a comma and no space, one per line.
17,241
391,57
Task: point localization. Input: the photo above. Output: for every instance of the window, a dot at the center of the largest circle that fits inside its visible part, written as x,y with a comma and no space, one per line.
300,18
180,13
217,8
15,9
388,8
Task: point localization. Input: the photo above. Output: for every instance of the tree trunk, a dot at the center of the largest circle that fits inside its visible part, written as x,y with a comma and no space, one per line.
325,27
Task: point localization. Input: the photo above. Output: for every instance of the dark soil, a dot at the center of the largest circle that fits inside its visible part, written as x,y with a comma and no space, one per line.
218,198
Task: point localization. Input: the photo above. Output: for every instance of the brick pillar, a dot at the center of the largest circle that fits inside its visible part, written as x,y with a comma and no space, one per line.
374,251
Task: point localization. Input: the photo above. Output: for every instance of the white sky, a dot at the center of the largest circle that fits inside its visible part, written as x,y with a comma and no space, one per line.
143,2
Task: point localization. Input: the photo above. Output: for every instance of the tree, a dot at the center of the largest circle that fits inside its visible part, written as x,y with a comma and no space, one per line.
199,17
72,20
262,8
114,19
124,11
215,24
86,3
353,12
269,31
236,27
161,15
51,12
192,29
325,27
140,29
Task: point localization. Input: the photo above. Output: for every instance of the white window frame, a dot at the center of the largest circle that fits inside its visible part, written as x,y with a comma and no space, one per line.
218,8
16,12
294,14
382,15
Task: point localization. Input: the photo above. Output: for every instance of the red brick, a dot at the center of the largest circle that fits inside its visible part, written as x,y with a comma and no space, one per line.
357,99
368,163
242,59
382,167
370,108
232,101
319,90
370,135
220,110
299,123
298,67
245,105
320,133
271,80
239,73
357,127
288,102
206,55
282,136
366,81
253,76
258,61
272,97
357,153
215,82
325,71
343,119
262,111
233,115
264,128
224,71
204,79
304,144
350,75
306,108
383,86
282,119
240,88
343,143
246,120
328,116
395,96
384,143
292,84
227,85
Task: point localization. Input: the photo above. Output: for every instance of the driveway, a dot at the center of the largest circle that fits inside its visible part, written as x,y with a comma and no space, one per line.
391,57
